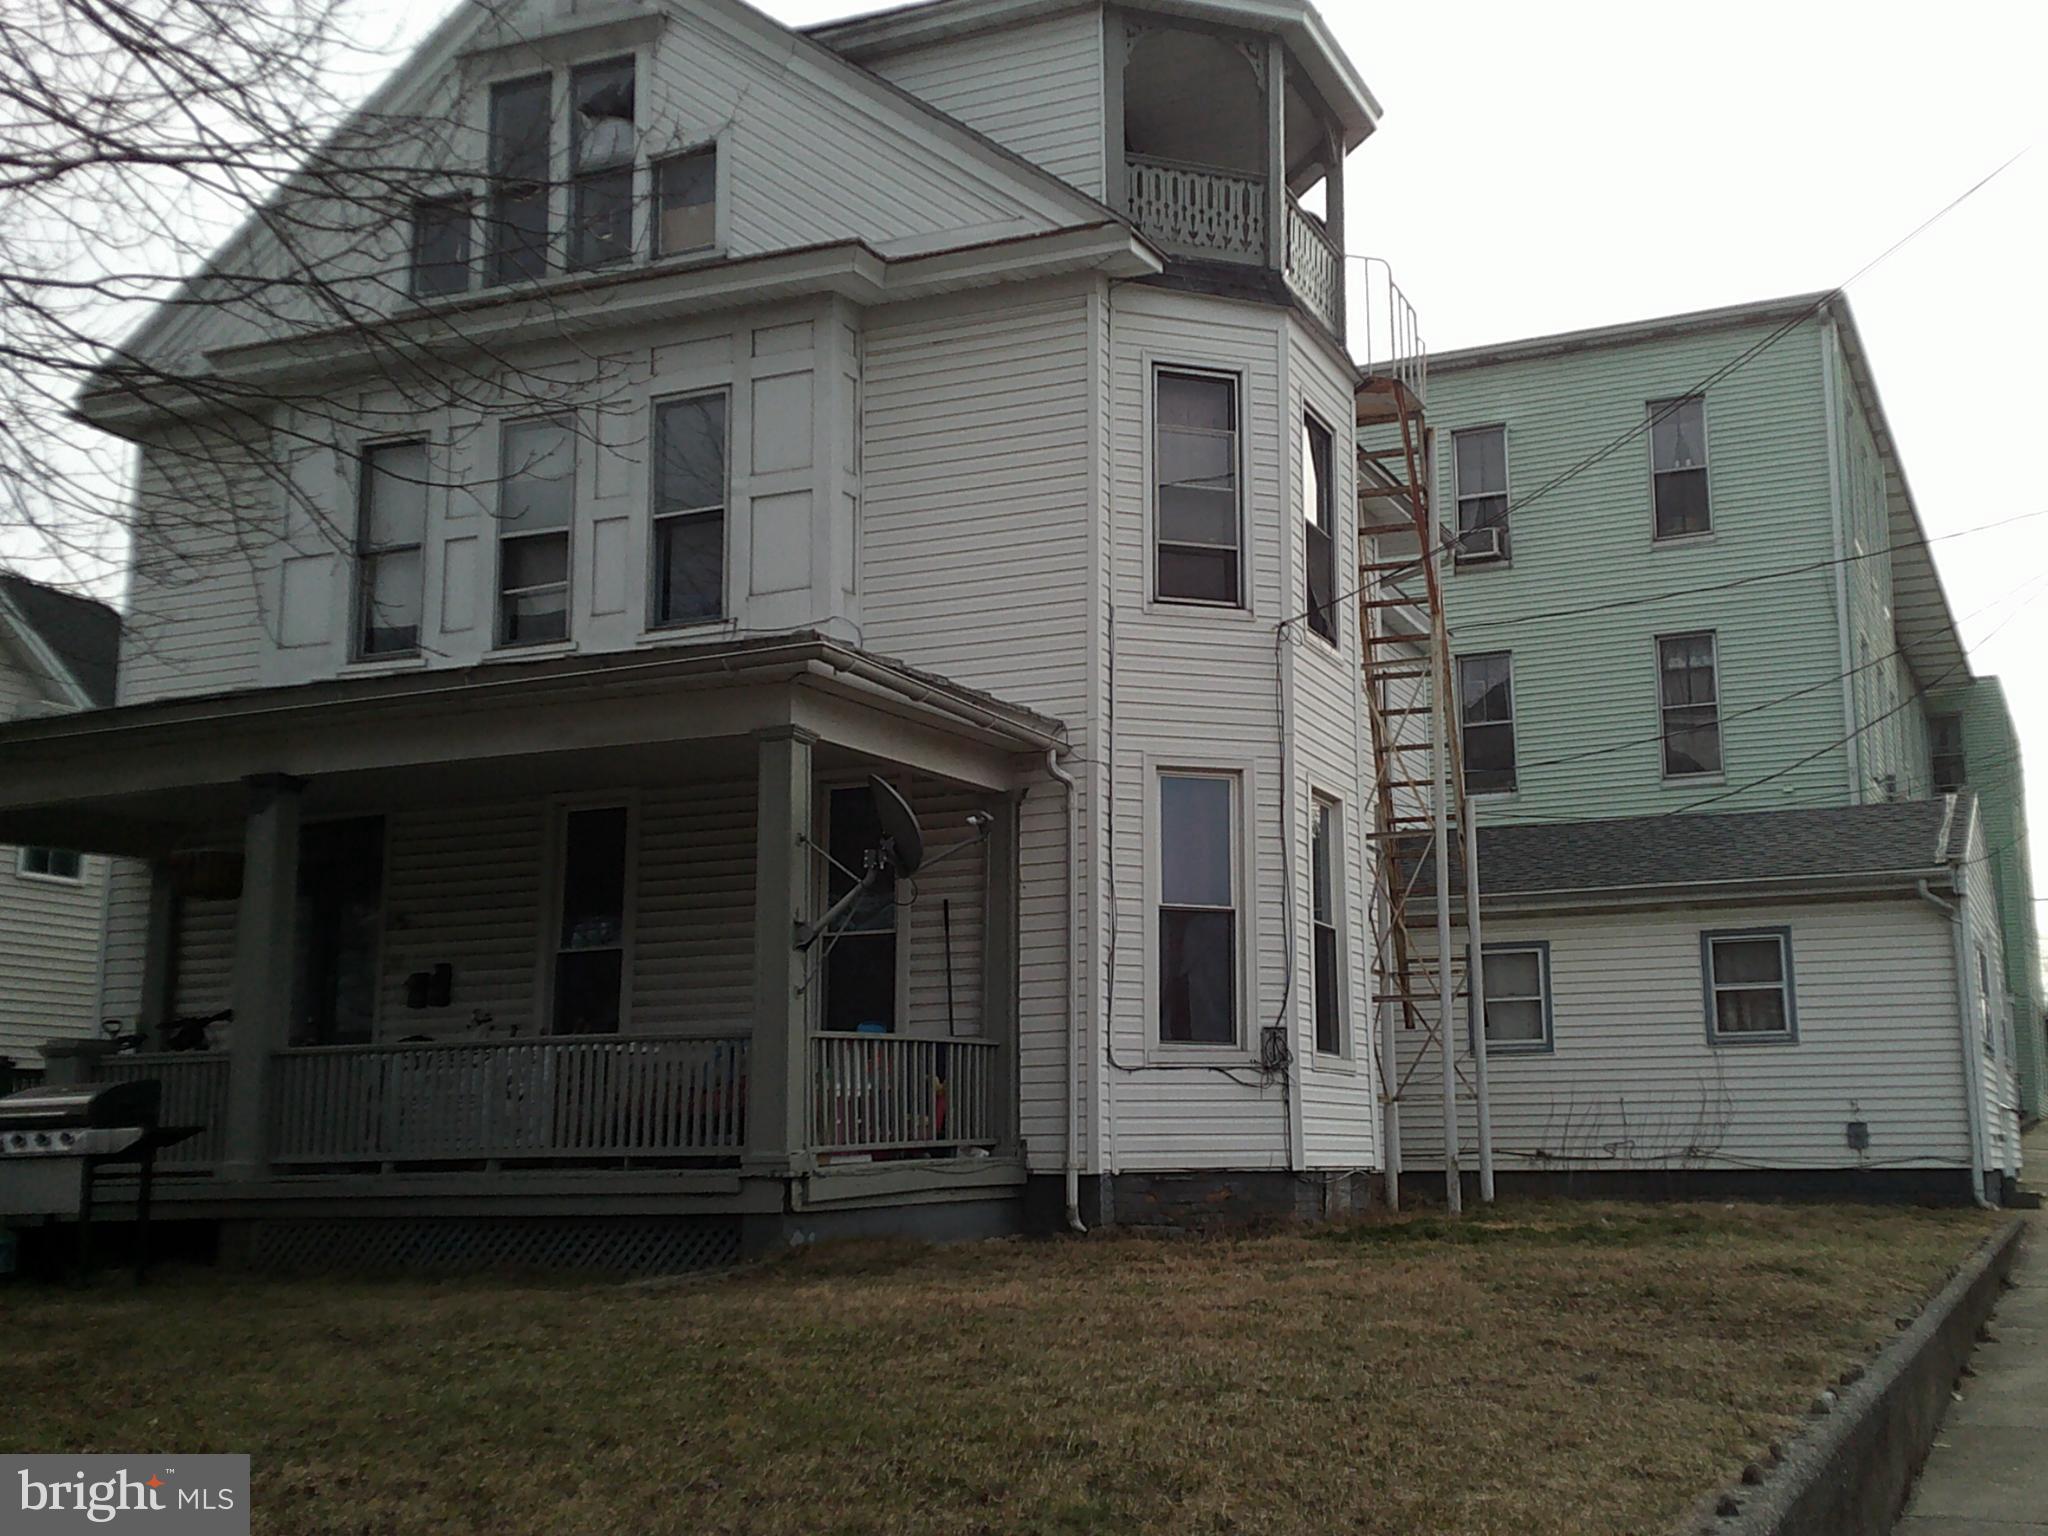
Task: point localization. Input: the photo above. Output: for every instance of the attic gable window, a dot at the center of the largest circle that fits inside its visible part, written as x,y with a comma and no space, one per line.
602,145
1678,466
686,203
440,246
517,235
1951,771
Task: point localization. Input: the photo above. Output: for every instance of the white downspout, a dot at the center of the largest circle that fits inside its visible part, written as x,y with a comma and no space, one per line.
1973,1086
1073,1157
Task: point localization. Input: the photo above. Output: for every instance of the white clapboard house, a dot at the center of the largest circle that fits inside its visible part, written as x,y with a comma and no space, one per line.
957,396
57,656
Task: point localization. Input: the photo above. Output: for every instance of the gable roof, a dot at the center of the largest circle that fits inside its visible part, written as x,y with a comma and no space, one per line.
1902,839
75,640
470,29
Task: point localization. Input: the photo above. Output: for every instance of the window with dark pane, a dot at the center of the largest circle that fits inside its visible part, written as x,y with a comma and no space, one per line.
1486,714
1197,910
590,957
1326,854
602,146
689,510
1319,507
860,963
340,909
1950,766
1678,466
51,863
1517,997
1480,463
1690,695
686,203
1749,984
537,503
391,530
440,246
516,222
1197,513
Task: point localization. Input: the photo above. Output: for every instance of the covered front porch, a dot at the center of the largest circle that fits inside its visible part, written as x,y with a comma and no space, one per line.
526,941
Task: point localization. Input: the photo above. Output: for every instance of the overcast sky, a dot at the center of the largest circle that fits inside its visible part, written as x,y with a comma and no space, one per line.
1544,167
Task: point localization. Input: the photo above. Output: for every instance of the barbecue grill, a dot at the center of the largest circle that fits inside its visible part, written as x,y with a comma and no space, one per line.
55,1140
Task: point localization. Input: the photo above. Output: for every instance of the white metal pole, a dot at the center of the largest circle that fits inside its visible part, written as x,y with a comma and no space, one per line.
1390,1074
1439,724
1475,988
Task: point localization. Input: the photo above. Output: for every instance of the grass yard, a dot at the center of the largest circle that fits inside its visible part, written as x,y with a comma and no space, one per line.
1572,1369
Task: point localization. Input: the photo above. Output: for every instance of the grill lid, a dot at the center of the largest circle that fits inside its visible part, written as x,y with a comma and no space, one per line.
83,1104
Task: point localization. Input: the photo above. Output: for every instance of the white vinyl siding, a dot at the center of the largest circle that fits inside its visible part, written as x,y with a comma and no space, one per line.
49,954
1634,1082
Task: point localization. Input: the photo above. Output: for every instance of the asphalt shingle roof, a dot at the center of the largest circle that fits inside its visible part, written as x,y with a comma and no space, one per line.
84,634
1896,837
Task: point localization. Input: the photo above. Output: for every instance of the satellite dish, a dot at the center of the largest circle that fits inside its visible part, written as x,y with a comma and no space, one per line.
899,826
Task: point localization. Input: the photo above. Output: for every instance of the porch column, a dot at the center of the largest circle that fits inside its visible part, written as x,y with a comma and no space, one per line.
1276,154
263,966
777,1066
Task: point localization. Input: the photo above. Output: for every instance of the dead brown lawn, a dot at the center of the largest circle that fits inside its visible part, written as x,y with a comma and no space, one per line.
1569,1369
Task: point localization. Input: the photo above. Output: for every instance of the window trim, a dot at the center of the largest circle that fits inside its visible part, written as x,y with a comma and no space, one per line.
550,186
555,866
23,872
359,552
1475,1027
1650,408
1330,503
1459,558
655,517
714,147
567,530
1711,775
466,199
1789,1035
1156,367
1340,908
1514,738
1243,775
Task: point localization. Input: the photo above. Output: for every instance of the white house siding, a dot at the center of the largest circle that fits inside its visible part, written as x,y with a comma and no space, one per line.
1998,1070
1036,89
1329,756
1207,689
49,955
978,428
1633,1082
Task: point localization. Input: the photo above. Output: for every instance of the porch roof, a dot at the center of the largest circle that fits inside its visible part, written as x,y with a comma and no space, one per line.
137,778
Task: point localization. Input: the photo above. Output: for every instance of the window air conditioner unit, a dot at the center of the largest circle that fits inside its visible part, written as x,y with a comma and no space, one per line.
1478,546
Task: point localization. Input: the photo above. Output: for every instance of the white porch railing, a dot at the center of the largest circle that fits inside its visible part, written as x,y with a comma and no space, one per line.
1198,210
572,1097
195,1092
1315,267
878,1093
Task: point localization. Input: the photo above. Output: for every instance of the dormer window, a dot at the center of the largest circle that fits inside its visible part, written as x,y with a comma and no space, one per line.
686,203
602,144
517,240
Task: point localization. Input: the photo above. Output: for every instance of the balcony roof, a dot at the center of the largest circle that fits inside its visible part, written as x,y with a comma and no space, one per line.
1298,24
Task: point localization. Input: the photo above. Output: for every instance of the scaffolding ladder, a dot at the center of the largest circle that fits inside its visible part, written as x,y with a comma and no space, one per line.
1421,817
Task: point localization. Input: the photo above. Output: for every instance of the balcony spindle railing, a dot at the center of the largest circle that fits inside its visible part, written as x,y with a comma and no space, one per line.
889,1093
1199,211
1315,267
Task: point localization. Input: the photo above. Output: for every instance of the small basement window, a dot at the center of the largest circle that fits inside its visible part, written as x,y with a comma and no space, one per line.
1748,979
1518,999
50,864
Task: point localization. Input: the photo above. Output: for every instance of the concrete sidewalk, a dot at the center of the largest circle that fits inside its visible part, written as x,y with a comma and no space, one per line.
1988,1472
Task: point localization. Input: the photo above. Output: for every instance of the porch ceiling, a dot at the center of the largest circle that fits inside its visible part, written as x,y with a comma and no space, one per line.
143,779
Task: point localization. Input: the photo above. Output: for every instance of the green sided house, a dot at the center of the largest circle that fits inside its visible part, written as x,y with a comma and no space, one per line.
1756,898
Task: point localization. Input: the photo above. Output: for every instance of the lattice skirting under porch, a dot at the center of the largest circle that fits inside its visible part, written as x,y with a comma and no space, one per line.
425,1245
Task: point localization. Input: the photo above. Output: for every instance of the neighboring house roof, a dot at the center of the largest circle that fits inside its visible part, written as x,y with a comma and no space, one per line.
1922,616
77,640
1901,838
